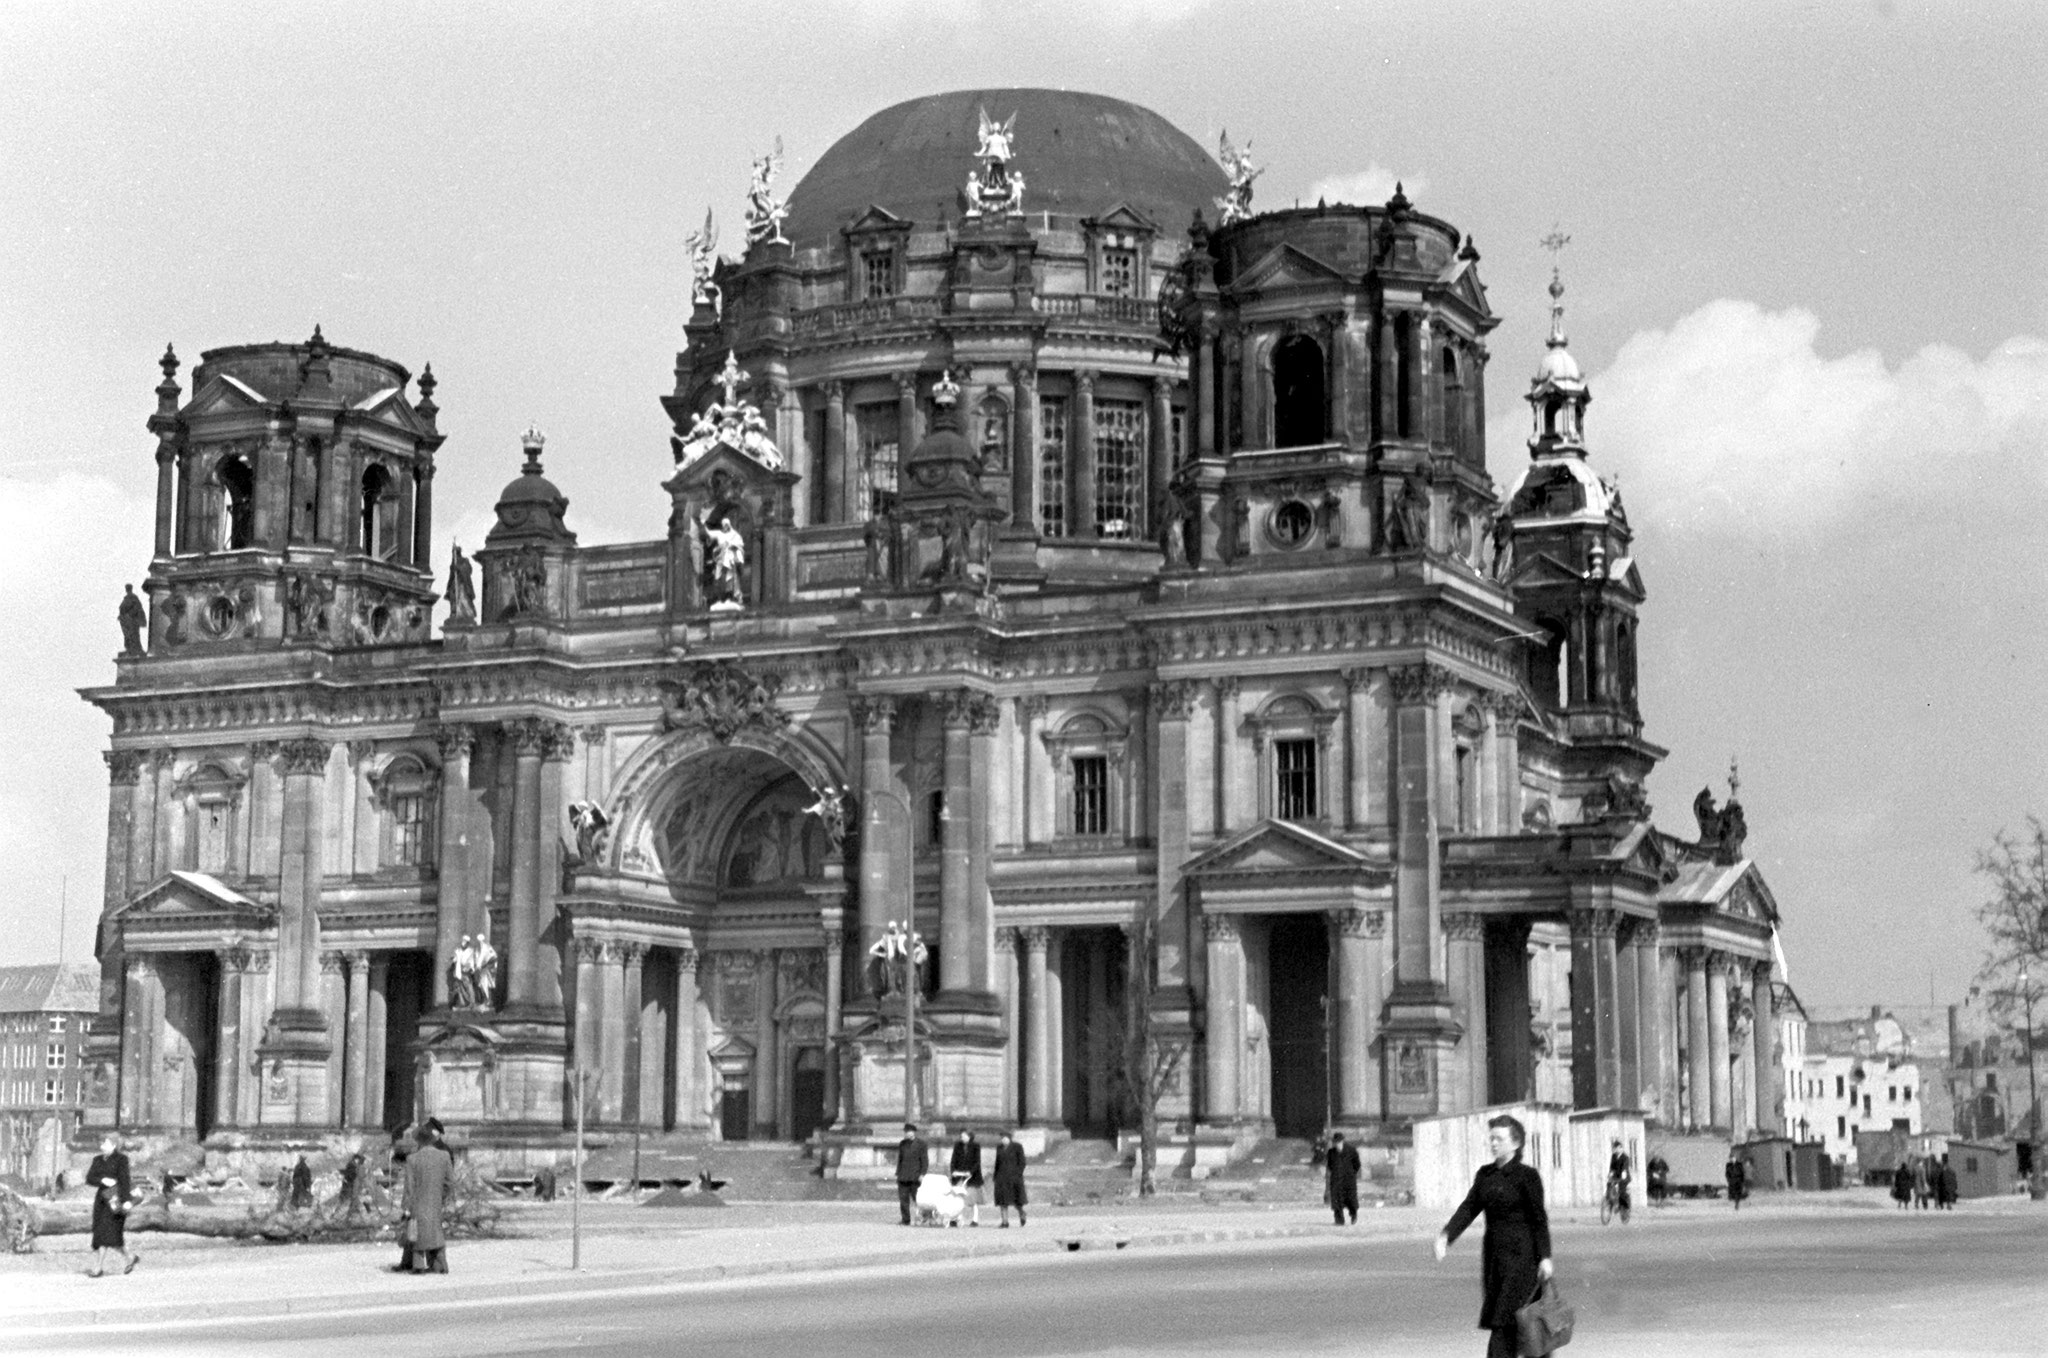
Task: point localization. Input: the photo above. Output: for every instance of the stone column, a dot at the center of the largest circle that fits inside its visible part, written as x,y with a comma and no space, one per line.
547,930
232,1046
1654,1078
454,891
611,1029
1024,448
334,1007
1162,455
1009,988
137,1058
1358,936
1038,1028
1358,714
589,1004
633,1021
1037,795
1172,703
906,419
1205,392
298,886
1224,1011
1055,1028
166,511
833,941
836,480
1416,689
423,517
983,718
1084,455
249,1096
529,737
356,1099
1722,1104
687,1054
1134,765
1465,971
1770,1078
1596,1065
1699,1055
1507,753
956,970
1628,1017
1233,800
377,1039
877,719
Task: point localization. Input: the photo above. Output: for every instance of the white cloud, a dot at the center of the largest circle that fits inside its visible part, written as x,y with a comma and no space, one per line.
1365,188
1733,418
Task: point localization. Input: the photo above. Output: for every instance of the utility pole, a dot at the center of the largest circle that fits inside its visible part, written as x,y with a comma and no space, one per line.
2035,1175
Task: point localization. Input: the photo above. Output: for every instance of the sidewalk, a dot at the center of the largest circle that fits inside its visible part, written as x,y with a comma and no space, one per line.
628,1248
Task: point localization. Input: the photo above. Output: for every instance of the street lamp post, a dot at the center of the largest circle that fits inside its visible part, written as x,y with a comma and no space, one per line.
2034,1171
912,942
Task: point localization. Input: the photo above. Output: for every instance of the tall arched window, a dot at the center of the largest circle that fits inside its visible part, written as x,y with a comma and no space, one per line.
237,503
1549,664
1451,396
1300,406
380,512
1404,376
1625,665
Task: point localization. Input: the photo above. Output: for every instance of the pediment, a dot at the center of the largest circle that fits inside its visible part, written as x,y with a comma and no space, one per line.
390,407
1123,217
1623,572
876,218
1461,284
721,468
1275,846
1285,266
223,394
1542,569
194,895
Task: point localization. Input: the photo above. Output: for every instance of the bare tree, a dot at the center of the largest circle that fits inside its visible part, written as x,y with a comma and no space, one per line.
2015,920
1151,1062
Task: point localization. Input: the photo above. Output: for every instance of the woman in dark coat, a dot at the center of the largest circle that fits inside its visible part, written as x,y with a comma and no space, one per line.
966,1172
1515,1259
108,1175
1737,1173
1009,1179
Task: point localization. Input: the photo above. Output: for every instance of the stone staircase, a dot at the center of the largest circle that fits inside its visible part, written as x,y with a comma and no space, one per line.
752,1171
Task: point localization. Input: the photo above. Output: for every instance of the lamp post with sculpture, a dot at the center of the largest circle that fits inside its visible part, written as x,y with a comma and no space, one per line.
900,953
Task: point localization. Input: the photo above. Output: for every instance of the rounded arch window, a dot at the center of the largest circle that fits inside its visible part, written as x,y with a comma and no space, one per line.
379,511
1300,404
237,503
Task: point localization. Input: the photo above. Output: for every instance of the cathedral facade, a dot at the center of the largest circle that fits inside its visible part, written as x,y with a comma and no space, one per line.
1067,562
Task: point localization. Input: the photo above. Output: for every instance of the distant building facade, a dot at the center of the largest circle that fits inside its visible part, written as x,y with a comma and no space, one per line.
1121,598
45,1015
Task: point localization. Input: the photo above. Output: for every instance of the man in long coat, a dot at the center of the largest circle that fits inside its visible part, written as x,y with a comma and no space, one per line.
1010,1179
428,1173
912,1161
1342,1165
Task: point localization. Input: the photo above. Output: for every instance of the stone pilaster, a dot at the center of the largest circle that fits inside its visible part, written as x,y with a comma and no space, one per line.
1223,1010
1360,942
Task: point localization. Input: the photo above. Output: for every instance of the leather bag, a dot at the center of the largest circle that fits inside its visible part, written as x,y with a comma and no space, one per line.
1545,1324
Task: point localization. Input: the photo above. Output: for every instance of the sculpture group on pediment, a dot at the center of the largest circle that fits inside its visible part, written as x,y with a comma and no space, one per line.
721,698
1722,829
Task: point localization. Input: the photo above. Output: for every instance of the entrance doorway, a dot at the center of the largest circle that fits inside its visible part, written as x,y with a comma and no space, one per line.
1298,951
806,1092
408,987
735,1109
1091,970
189,1077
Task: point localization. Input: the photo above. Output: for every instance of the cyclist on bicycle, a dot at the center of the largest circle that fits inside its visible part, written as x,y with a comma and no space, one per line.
1618,1176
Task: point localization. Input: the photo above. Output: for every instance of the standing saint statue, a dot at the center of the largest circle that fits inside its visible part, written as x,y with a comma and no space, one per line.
462,975
461,586
133,620
725,553
486,973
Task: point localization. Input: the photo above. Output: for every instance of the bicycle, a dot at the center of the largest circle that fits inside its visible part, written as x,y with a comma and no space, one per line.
1614,1203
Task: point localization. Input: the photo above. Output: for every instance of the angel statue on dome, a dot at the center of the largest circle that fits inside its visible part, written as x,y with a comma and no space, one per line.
1236,205
995,136
703,247
992,186
764,213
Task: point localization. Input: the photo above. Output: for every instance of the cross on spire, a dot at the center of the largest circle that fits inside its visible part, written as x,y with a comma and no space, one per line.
1555,243
733,378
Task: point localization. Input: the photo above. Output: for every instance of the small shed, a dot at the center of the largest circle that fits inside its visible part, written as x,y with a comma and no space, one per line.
1984,1169
1772,1162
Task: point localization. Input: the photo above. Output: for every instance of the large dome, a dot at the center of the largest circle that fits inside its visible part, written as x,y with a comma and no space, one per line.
1080,154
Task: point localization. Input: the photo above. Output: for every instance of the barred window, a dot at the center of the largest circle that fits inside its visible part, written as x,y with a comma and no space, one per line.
878,445
56,1023
1295,764
55,1058
1052,466
878,273
1120,273
1120,469
1091,794
50,1088
408,828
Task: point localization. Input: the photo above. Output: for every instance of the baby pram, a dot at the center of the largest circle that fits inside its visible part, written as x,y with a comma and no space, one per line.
940,1200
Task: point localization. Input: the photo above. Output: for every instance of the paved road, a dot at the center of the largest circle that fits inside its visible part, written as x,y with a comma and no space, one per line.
1866,1283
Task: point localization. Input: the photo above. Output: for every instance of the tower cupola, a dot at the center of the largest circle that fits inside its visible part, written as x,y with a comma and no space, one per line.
1558,395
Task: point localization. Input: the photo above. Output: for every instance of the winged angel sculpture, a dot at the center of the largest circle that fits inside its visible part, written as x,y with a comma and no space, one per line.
765,213
703,247
994,187
1236,205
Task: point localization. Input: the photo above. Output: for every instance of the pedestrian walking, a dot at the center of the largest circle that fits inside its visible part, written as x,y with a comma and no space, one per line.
912,1162
302,1185
966,1173
112,1190
1945,1177
1738,1180
428,1172
1341,1168
1009,1180
1514,1261
1902,1184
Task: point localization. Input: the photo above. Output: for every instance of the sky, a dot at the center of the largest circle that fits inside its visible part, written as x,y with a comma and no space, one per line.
1805,279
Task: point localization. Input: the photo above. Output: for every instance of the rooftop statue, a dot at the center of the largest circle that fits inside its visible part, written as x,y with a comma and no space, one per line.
1236,205
993,187
736,424
764,212
703,247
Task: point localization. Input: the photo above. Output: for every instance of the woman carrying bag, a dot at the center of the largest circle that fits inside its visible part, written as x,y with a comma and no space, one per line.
112,1191
1514,1263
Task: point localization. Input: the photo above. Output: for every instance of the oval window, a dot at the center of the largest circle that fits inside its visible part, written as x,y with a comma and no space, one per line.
1292,523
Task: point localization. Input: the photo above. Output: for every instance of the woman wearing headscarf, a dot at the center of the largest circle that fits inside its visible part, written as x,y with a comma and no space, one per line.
1515,1259
108,1174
